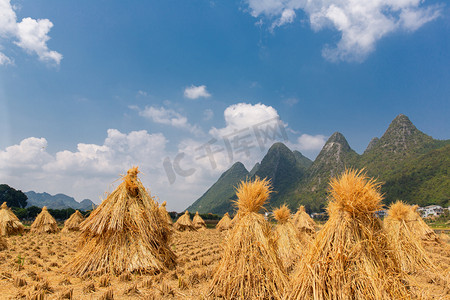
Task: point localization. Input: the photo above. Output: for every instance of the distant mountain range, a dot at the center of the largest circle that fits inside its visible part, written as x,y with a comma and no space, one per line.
58,201
413,166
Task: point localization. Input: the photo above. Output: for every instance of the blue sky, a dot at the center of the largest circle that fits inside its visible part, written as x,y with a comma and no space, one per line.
89,88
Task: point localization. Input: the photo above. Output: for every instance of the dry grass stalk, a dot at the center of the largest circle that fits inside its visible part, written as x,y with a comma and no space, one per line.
184,223
44,223
419,227
9,223
406,243
124,233
199,223
249,267
164,214
3,244
224,223
73,223
303,222
289,245
350,257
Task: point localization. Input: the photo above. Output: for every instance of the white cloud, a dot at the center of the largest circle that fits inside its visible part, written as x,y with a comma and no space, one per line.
168,117
208,114
5,60
195,92
361,23
308,142
31,35
291,101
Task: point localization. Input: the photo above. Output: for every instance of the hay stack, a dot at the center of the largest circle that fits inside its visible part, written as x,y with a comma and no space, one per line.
303,222
124,234
199,223
3,243
73,223
44,223
9,223
224,223
249,267
184,223
289,245
406,243
420,228
350,257
164,214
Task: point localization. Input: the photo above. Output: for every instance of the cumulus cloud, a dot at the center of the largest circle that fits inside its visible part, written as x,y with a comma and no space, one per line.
195,92
311,142
29,34
361,23
5,60
170,117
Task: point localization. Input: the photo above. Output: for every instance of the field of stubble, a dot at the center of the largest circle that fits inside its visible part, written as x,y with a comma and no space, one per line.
32,268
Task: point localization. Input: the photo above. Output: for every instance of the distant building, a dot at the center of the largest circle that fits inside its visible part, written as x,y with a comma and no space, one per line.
431,211
381,213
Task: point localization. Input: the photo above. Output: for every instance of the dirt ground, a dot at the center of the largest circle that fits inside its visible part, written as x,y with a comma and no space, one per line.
32,268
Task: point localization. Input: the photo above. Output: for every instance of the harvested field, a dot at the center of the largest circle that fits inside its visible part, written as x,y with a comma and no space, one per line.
32,265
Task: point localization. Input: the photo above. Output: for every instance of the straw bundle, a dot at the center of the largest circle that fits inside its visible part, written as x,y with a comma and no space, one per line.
3,243
303,222
350,257
9,223
249,267
184,223
73,223
224,223
420,228
124,234
406,243
289,245
44,223
164,214
199,223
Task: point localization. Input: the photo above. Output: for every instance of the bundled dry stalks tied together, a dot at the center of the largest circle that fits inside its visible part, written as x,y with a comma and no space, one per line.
3,243
73,223
199,223
9,223
184,223
350,258
405,241
44,223
419,227
124,234
249,267
164,214
289,244
303,222
224,223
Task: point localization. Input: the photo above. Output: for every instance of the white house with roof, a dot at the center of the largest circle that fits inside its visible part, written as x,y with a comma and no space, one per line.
431,211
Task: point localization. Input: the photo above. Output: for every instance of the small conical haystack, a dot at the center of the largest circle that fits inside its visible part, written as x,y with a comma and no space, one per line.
406,243
184,223
164,214
224,223
199,223
9,223
303,222
73,223
249,267
44,223
289,245
124,234
350,257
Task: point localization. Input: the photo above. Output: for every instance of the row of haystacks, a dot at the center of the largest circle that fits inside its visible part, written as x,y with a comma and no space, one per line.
352,257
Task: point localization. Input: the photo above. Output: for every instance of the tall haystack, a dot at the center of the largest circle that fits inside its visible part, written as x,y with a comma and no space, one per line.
73,223
406,243
303,222
164,214
224,223
184,223
9,223
124,234
249,267
350,257
199,223
44,223
420,228
289,244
